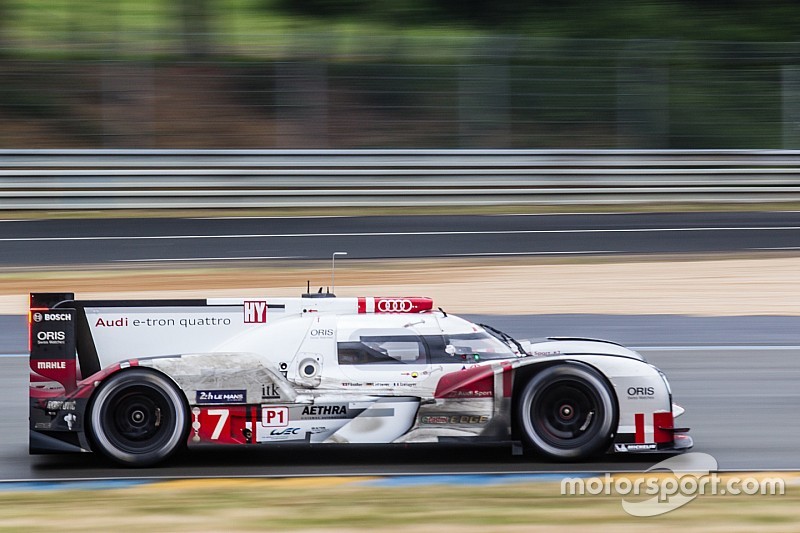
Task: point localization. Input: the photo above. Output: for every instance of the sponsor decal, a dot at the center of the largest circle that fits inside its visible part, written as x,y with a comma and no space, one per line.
635,393
124,322
284,432
70,420
317,412
61,405
108,323
434,420
394,306
221,396
51,365
322,333
469,419
386,385
623,447
270,391
275,416
51,317
475,382
318,429
51,337
255,312
454,419
541,354
470,394
42,425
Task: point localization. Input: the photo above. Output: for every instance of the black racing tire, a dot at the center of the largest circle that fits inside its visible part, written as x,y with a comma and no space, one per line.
567,412
138,418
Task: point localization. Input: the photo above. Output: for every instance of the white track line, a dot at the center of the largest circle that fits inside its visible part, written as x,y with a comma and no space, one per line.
391,234
574,252
209,259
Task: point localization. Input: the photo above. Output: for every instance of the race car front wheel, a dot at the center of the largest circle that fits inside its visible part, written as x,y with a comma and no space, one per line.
138,418
566,412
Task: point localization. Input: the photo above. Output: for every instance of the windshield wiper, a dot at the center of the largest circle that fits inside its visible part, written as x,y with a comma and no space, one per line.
505,337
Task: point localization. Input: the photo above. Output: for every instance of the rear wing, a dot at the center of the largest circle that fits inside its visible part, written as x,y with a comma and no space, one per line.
51,341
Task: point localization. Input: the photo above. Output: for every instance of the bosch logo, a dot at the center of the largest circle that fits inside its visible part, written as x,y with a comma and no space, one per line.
395,306
51,317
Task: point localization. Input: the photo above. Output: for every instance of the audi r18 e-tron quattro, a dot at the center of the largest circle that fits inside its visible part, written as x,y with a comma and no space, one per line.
139,380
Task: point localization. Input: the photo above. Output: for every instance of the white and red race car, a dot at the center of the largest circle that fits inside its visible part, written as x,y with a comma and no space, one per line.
138,380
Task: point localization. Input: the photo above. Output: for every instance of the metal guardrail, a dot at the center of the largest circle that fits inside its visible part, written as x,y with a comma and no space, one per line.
146,179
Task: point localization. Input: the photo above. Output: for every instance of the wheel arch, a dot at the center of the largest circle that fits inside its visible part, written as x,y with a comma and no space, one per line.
90,404
524,374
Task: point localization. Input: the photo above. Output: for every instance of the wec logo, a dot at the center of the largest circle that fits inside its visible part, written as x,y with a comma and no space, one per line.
255,312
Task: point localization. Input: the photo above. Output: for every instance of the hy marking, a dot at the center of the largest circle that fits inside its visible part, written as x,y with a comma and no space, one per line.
391,234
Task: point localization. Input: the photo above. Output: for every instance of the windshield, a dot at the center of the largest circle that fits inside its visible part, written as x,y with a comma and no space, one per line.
476,347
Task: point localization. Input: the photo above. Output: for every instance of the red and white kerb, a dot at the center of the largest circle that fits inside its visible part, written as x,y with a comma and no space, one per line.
400,304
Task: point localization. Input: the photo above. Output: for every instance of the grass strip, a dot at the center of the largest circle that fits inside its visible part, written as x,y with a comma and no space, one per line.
292,505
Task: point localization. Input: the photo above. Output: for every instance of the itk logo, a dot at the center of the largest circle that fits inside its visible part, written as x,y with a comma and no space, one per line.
255,311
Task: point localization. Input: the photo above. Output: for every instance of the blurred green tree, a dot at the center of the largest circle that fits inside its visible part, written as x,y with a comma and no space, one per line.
194,27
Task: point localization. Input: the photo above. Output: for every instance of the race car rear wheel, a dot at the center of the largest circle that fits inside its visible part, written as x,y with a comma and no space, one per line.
567,412
138,418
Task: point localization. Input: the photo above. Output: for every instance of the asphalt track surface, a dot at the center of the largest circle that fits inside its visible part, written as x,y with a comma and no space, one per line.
42,243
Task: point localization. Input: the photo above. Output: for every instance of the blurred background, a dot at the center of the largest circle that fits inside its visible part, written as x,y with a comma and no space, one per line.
399,74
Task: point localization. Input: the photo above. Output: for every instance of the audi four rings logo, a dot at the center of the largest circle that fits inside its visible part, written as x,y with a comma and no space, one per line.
395,306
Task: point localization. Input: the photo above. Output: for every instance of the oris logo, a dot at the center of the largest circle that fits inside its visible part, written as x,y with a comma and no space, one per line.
46,336
641,391
322,333
394,306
